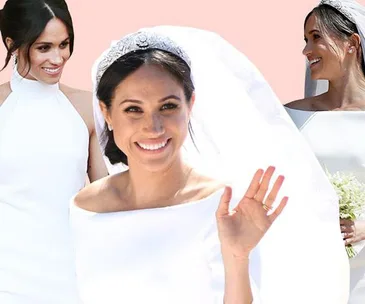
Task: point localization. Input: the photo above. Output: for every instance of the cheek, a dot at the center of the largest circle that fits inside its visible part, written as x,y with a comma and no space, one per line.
321,47
66,53
332,51
123,128
121,137
179,123
36,57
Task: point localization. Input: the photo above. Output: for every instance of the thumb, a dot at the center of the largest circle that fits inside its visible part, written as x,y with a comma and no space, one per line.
223,207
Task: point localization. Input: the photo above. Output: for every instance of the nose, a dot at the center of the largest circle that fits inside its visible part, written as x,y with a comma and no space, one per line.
307,49
153,125
56,57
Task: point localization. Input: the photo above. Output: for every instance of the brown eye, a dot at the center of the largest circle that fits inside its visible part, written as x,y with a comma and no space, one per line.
169,106
133,109
44,48
64,45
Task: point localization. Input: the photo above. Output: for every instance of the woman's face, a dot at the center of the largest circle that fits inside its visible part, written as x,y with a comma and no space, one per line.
149,116
48,54
325,61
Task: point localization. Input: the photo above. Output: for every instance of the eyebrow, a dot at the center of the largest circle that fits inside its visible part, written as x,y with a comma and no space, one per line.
161,100
50,43
311,32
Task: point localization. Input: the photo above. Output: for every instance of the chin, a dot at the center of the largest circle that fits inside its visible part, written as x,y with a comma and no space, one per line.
317,76
155,167
50,80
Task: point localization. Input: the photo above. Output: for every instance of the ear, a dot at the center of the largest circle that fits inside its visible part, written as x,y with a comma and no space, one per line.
9,43
105,112
354,43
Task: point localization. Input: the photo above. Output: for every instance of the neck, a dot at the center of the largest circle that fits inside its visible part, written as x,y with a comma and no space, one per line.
155,189
348,90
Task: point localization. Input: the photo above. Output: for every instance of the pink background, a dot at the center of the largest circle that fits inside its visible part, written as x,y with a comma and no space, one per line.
269,33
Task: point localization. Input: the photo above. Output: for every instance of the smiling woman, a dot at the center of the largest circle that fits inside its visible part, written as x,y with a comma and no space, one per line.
34,41
160,230
47,55
47,146
156,118
332,118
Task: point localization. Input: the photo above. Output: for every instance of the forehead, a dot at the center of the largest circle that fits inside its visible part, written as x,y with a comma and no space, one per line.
312,23
149,81
54,31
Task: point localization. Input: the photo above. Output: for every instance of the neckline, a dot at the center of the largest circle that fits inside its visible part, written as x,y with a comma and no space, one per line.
323,111
20,84
172,207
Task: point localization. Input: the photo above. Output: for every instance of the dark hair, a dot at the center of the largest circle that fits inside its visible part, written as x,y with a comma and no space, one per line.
126,65
24,21
331,20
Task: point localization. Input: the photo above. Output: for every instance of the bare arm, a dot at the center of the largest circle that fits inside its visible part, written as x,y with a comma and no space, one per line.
237,280
96,164
82,101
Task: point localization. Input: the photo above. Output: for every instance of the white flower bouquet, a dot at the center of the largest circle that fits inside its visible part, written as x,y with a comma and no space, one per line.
351,194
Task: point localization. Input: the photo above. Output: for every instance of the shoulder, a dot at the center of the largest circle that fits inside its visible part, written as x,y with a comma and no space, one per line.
5,91
82,101
99,196
76,95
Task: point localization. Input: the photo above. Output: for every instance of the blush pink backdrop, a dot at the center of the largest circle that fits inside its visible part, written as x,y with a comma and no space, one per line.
269,33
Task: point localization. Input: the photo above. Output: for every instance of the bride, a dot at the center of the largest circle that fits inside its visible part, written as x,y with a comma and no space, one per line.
332,116
161,231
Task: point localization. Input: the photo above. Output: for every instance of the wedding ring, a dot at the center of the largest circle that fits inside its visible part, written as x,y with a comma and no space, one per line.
266,207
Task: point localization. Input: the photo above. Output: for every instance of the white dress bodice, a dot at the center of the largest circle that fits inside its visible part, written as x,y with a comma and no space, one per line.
163,255
337,139
43,163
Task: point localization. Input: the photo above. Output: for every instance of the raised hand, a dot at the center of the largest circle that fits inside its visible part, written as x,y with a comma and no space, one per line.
241,229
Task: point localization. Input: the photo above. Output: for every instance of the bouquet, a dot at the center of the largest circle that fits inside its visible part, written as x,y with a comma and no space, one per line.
351,194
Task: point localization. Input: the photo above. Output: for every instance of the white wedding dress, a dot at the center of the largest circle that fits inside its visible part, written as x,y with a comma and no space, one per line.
43,162
337,139
162,255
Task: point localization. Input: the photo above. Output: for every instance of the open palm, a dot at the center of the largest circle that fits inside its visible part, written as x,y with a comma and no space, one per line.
241,229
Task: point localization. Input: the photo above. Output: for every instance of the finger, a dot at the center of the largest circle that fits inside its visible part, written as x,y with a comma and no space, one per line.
279,209
347,235
350,241
347,229
346,222
274,191
255,184
223,207
264,185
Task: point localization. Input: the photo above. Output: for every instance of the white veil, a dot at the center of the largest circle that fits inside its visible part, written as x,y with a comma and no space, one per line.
239,126
355,12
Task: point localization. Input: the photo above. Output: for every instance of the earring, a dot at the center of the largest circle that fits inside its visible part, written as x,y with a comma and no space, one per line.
351,50
15,60
110,128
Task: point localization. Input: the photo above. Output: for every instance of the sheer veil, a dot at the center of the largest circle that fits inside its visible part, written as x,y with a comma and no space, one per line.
240,125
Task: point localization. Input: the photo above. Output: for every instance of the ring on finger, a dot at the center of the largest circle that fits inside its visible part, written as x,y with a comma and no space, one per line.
266,207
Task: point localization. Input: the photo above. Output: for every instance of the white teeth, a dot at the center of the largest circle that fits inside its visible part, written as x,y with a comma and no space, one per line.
314,61
153,147
52,70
